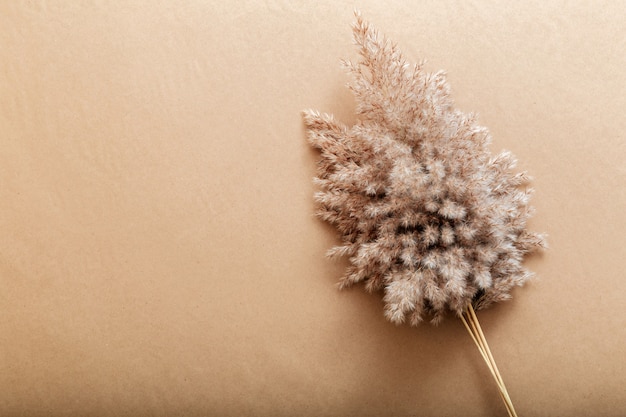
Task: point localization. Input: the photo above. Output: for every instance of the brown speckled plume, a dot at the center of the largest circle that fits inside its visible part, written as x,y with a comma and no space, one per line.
425,212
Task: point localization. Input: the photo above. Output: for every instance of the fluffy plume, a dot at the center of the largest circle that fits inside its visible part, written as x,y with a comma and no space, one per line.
425,212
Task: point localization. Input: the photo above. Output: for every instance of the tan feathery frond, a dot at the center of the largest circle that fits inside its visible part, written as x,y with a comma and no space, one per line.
424,210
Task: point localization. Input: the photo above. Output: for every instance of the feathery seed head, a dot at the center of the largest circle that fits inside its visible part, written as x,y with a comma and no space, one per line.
425,212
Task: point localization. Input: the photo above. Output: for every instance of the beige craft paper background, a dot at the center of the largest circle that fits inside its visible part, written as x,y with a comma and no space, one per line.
158,252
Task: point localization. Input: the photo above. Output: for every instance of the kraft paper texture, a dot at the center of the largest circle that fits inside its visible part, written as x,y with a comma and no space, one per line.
159,255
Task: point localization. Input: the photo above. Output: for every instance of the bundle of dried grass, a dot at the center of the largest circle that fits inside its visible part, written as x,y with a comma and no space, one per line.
424,210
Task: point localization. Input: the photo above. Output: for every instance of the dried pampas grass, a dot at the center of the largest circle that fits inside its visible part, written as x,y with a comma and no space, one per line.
426,213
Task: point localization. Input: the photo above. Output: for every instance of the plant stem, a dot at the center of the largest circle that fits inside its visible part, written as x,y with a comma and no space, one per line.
471,323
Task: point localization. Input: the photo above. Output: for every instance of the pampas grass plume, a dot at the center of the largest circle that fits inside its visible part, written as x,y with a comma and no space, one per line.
425,212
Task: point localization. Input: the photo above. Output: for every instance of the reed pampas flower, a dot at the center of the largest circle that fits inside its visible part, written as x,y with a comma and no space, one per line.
424,210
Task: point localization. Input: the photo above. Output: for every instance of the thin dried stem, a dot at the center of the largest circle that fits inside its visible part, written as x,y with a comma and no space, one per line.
481,349
472,325
488,351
